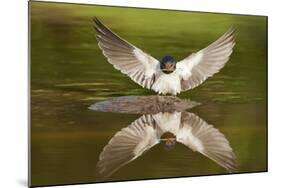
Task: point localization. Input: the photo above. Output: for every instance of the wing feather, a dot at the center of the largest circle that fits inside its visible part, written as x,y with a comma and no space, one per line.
127,144
199,136
130,60
197,67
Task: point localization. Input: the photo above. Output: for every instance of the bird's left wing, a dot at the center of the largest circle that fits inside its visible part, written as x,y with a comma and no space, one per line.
130,60
127,144
199,136
197,67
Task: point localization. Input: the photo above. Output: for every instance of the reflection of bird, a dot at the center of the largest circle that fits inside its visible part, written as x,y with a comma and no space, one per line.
166,76
169,128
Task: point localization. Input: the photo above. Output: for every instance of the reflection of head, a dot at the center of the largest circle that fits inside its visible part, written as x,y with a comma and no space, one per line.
169,140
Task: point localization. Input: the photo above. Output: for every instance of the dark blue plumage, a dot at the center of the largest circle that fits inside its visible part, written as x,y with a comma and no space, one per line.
167,64
167,59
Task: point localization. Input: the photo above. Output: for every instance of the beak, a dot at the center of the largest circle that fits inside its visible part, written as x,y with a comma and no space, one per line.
168,67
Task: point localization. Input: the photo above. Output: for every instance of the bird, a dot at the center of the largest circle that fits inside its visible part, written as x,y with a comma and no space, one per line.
167,128
165,76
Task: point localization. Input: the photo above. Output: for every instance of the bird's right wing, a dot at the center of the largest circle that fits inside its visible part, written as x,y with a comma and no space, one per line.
199,66
127,144
199,136
130,60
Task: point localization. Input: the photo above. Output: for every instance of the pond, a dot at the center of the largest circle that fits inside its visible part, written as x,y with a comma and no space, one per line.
69,74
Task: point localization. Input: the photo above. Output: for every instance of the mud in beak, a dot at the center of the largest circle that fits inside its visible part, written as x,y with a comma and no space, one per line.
168,68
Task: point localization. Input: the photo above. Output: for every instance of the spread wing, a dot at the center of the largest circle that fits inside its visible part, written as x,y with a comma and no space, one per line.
199,136
130,60
197,67
127,144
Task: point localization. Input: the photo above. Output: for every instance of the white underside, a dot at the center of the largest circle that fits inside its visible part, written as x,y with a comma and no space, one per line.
168,122
167,84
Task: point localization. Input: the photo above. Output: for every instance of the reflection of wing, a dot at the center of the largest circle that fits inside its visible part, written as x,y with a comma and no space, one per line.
204,138
127,145
130,60
197,67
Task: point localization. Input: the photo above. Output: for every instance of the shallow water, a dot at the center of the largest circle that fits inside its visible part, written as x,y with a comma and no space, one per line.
69,73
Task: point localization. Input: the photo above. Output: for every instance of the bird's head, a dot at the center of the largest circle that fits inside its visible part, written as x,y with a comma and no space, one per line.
169,140
167,64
